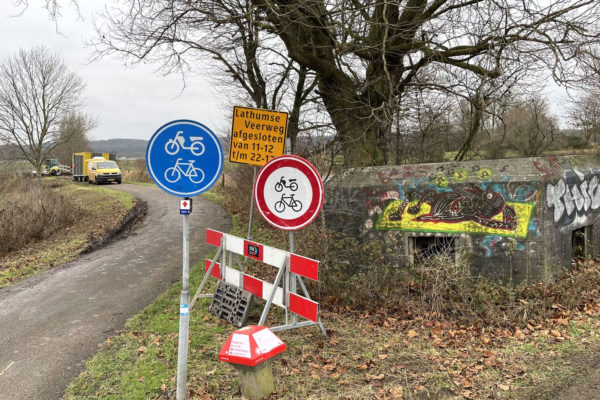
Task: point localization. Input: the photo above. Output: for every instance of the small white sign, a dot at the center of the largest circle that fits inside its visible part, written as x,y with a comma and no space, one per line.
266,341
185,206
240,346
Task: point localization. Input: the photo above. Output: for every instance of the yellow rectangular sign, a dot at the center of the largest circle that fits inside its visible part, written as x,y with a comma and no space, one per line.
257,136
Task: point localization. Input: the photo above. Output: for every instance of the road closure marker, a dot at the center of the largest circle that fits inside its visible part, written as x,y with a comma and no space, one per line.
289,192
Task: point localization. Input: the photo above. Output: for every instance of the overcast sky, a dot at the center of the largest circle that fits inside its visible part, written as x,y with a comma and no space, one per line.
127,102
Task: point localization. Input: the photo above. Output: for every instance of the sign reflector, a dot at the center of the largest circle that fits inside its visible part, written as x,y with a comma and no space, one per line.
302,306
304,266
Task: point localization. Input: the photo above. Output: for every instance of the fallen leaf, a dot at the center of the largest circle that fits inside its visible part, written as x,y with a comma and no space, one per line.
503,387
519,335
163,388
316,366
383,356
374,377
397,393
142,379
412,333
555,333
142,349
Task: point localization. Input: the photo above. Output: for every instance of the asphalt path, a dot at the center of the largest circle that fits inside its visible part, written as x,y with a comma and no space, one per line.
52,323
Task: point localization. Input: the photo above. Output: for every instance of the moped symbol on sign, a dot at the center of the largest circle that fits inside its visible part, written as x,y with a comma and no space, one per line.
184,158
289,192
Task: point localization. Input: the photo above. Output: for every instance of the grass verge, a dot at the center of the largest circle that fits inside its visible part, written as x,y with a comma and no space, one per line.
386,353
99,213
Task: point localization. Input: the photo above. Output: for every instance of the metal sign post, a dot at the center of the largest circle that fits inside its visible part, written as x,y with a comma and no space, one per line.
184,313
251,207
184,158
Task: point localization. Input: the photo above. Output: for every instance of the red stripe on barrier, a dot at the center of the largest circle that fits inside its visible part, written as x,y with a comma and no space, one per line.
306,267
216,271
253,285
253,250
213,237
302,306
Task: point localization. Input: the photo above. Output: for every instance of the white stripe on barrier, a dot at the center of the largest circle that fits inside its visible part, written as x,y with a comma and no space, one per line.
232,276
270,255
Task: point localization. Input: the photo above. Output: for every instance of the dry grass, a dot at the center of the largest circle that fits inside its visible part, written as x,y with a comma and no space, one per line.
32,212
135,171
46,226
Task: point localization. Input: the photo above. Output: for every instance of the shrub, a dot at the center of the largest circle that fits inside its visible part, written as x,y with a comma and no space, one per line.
138,173
31,212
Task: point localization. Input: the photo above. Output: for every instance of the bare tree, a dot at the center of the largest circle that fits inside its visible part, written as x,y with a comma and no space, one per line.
585,116
367,54
178,35
530,128
73,130
36,92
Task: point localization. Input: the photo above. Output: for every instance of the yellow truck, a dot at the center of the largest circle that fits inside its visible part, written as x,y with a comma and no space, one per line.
101,170
81,162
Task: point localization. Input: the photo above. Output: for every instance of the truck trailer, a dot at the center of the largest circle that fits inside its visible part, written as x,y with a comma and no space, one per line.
80,163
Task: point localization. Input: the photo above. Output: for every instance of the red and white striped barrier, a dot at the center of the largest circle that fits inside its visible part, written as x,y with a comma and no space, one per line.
294,265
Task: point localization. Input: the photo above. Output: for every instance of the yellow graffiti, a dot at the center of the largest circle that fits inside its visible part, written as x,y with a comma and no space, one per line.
461,175
407,223
485,174
441,181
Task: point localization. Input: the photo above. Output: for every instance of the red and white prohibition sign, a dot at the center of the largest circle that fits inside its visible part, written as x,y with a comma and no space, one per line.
289,192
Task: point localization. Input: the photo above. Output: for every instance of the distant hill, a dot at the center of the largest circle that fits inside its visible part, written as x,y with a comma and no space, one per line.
133,148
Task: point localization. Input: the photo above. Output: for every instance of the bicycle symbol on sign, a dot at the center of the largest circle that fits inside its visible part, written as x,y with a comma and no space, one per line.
195,174
293,186
173,145
288,201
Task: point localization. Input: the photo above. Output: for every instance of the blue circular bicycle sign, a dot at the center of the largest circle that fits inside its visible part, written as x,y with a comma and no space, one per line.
184,158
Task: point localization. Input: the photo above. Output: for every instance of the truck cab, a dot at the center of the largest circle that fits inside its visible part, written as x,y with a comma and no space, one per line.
101,170
52,166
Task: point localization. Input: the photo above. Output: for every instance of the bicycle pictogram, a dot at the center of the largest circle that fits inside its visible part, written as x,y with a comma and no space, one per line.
177,143
288,201
279,186
194,174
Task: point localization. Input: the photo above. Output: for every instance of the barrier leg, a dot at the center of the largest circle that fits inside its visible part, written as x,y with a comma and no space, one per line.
280,274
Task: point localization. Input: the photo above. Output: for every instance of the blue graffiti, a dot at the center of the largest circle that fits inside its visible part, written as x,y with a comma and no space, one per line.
534,226
489,244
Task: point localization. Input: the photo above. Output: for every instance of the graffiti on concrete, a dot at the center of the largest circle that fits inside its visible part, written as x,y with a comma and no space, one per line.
469,209
475,205
573,196
491,244
549,169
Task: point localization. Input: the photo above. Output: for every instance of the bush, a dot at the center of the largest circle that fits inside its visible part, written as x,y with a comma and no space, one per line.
137,173
30,212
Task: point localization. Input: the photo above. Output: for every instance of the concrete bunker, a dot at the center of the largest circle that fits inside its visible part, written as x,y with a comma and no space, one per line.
513,220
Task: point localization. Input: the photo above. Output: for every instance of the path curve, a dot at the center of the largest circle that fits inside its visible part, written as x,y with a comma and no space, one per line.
52,323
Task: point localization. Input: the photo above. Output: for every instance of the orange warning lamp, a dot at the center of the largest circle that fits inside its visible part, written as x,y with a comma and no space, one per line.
251,346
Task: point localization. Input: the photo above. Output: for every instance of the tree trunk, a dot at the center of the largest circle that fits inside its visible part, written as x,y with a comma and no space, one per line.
360,127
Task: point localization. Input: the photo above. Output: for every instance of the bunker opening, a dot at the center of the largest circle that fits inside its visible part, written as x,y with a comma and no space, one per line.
580,241
428,247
